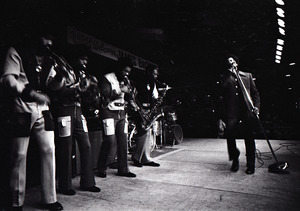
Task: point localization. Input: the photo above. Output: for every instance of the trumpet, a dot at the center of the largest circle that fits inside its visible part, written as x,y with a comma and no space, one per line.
128,83
60,64
87,81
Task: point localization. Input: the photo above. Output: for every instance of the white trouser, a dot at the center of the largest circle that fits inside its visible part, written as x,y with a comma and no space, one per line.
45,141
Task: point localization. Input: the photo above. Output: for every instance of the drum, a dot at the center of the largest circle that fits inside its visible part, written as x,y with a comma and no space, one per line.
173,134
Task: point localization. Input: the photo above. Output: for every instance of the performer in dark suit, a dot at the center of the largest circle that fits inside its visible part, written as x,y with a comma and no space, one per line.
236,110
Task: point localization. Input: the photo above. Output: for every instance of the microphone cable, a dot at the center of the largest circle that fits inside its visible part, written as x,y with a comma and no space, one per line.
263,156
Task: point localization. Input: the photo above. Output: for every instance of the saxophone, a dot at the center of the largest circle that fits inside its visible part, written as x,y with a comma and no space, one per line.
148,119
155,114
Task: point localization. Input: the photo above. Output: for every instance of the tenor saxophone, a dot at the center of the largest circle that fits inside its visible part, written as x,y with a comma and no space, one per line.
148,119
154,114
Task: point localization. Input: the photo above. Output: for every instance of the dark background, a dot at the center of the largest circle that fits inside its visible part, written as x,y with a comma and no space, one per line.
188,40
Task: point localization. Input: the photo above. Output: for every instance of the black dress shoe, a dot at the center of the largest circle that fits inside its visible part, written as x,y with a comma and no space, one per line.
102,174
235,165
128,174
152,164
137,163
69,192
94,189
250,171
53,206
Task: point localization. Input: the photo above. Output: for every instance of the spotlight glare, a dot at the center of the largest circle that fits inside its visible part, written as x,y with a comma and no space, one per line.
279,47
277,61
293,63
278,57
279,53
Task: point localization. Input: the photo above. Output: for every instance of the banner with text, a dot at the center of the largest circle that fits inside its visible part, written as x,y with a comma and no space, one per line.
99,47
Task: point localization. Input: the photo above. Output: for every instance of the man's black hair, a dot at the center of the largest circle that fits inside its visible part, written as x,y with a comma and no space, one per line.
236,58
150,68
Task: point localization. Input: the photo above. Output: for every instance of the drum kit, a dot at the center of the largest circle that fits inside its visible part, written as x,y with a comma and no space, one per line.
172,132
165,130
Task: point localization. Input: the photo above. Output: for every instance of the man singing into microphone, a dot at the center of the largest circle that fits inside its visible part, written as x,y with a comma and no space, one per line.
237,111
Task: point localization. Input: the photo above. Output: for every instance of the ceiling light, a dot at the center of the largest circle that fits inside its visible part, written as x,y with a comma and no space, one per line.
280,41
281,23
279,47
287,75
280,12
277,61
279,53
293,63
281,31
280,2
278,57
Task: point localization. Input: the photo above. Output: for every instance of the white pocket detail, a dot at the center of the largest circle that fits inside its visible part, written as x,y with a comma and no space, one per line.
64,126
126,126
109,126
84,124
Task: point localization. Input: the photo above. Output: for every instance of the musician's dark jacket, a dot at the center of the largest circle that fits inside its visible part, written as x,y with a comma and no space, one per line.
234,103
145,92
68,95
90,105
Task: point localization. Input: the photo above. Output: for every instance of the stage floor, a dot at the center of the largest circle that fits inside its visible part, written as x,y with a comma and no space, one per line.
195,175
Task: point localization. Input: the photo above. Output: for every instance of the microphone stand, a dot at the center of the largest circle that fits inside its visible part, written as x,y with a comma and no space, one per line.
278,167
